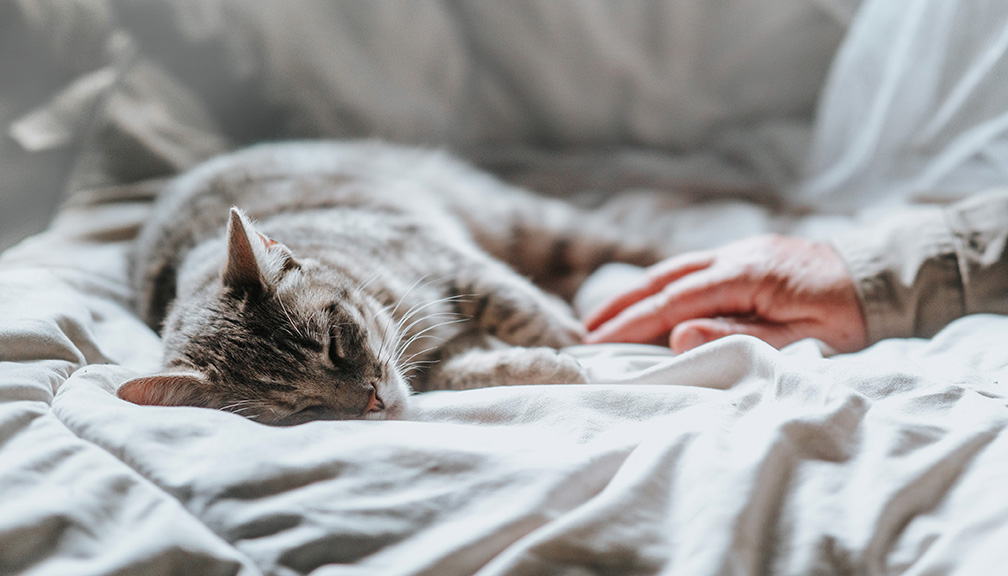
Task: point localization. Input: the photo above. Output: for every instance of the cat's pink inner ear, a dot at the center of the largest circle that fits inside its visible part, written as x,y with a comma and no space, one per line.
286,257
254,261
242,268
161,390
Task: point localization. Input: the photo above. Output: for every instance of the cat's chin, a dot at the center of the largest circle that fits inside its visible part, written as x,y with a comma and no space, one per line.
390,412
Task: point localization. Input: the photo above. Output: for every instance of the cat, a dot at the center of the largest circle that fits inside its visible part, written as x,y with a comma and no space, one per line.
321,280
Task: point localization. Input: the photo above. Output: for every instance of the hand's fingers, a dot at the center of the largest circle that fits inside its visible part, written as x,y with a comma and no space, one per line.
692,333
641,322
700,295
656,278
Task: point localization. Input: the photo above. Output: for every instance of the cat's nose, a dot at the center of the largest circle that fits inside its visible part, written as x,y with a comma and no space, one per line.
375,403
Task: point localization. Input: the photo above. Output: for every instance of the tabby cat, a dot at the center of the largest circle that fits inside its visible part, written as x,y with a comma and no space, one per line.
326,280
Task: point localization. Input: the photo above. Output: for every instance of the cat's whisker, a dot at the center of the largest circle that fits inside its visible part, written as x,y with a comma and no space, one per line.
402,351
422,334
381,349
236,404
253,417
410,362
412,310
370,279
409,291
416,309
384,312
243,407
416,363
240,408
452,315
401,346
418,367
289,319
421,306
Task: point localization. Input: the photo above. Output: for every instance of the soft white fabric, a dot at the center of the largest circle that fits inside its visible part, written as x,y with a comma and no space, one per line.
730,85
734,458
914,108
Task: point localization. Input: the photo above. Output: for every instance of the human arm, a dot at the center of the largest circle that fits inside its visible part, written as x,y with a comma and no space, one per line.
919,270
777,288
907,275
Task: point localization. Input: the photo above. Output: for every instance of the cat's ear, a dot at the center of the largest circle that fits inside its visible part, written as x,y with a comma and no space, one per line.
175,389
254,262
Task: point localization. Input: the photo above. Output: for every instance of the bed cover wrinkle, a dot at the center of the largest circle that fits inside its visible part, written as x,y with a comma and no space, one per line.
733,458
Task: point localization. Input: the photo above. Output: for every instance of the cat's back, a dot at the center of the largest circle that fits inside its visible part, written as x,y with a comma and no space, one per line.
268,179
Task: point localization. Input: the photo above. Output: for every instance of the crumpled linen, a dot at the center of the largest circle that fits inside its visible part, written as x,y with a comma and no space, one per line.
732,458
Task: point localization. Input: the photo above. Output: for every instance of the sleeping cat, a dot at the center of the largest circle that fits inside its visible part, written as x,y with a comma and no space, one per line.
325,280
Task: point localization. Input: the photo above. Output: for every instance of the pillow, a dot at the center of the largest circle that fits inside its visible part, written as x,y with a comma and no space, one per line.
167,84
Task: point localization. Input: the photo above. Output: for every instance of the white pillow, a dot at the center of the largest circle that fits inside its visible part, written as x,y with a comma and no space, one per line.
673,74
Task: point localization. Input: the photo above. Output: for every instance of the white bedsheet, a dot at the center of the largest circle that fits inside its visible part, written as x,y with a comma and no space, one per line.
735,458
732,459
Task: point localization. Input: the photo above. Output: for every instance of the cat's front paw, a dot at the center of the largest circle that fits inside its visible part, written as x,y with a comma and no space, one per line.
556,329
568,332
540,365
506,367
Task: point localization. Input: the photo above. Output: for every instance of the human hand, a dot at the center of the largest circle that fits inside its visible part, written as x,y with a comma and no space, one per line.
777,288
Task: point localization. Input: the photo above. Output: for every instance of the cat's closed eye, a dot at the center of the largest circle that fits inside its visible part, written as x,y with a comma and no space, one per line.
337,355
308,414
313,412
343,340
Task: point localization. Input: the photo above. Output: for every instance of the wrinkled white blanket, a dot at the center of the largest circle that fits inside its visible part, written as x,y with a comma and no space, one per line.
732,459
735,458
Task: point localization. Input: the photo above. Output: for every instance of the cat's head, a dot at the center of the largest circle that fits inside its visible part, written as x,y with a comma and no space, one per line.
279,339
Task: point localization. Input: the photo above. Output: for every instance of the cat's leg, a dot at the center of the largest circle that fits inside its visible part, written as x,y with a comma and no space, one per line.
483,364
512,309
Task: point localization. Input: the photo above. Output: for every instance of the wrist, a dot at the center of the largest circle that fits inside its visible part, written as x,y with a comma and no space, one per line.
905,274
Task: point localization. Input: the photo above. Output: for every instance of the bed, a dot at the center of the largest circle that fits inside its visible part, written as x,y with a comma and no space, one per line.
735,458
